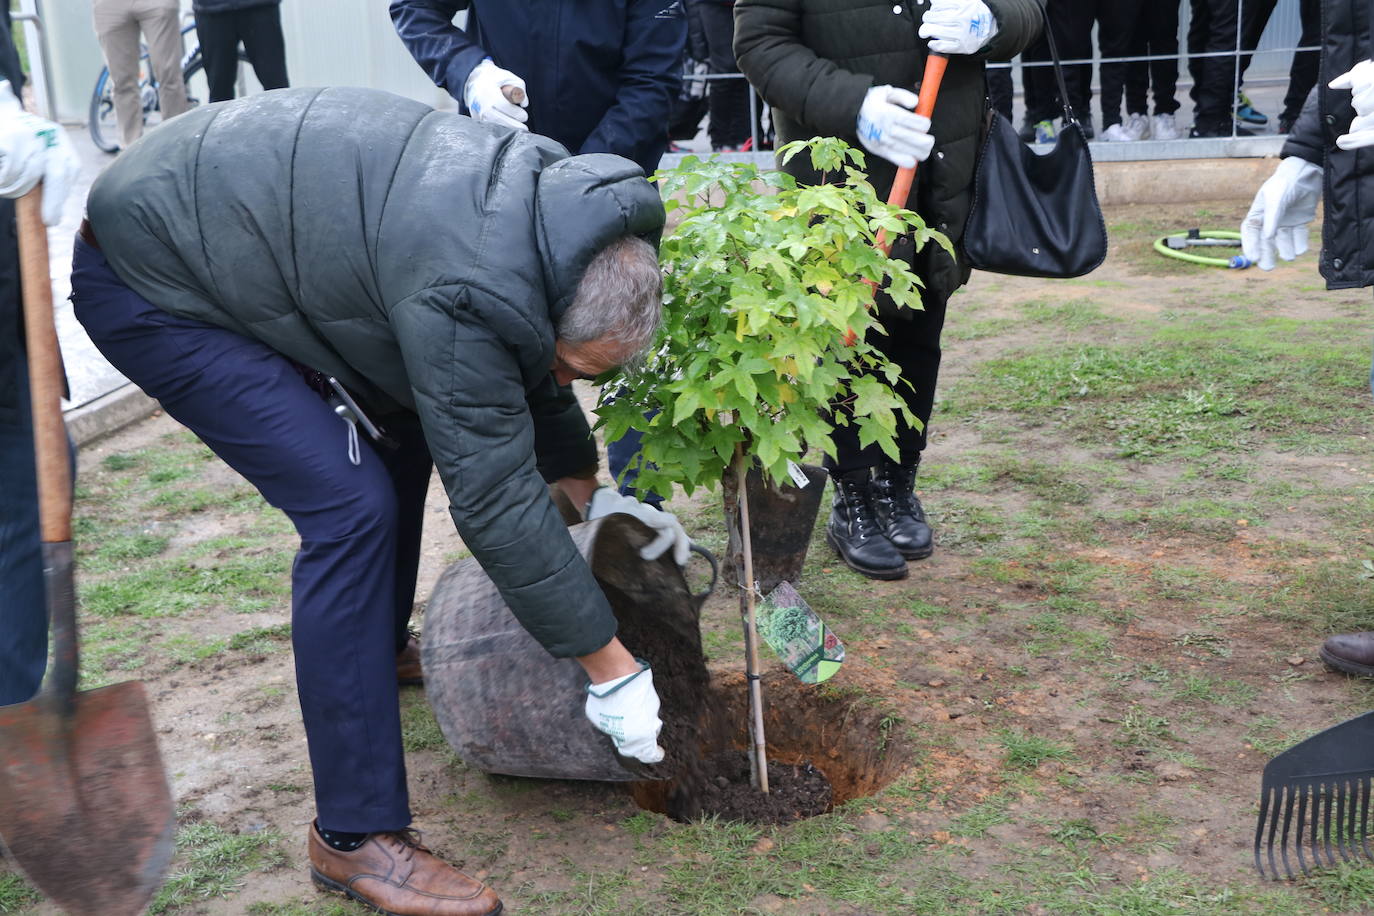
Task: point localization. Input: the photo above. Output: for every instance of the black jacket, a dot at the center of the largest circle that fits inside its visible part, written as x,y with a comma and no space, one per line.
419,256
1347,253
601,75
814,60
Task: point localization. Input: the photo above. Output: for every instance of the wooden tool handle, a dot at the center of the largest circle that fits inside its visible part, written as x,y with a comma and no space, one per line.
45,373
514,94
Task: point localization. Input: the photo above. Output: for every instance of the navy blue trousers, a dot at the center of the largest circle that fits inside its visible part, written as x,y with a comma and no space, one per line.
353,580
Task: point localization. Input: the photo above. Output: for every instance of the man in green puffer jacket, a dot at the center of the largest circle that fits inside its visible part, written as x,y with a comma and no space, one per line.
847,68
449,274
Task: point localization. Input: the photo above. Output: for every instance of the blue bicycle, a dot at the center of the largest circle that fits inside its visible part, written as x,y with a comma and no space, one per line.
103,125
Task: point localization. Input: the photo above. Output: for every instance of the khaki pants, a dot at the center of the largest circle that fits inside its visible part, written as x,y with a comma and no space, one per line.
117,25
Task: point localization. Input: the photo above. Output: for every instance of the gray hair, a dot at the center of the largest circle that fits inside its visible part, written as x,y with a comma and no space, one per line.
620,297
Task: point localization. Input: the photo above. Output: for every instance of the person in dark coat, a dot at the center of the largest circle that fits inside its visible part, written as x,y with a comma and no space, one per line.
449,275
30,149
221,25
845,68
1327,157
596,77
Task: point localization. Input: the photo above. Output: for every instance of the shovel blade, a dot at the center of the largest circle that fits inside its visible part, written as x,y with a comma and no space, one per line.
85,808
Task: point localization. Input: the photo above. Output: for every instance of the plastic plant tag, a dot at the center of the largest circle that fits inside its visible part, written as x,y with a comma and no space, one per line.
797,474
801,639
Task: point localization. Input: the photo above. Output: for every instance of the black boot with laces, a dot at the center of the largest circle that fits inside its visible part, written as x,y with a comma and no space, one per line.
854,530
899,509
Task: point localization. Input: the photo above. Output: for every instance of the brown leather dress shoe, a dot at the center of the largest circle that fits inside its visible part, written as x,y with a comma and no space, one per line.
394,874
408,672
1352,653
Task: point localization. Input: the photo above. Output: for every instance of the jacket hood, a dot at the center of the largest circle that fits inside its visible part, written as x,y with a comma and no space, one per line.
582,204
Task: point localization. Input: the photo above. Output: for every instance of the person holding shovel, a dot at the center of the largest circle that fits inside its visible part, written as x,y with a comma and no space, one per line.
846,68
381,283
1326,158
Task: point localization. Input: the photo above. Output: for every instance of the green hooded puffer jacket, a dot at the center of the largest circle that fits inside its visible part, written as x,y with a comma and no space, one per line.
421,257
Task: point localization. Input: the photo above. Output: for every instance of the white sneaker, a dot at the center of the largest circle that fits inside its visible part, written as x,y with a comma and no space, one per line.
1137,127
1115,133
1162,127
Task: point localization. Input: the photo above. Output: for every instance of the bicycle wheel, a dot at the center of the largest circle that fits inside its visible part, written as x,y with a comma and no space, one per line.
198,87
102,123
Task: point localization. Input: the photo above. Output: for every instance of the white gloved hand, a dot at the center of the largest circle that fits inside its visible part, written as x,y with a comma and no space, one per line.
31,149
887,127
485,100
627,710
958,26
606,501
1360,81
1284,207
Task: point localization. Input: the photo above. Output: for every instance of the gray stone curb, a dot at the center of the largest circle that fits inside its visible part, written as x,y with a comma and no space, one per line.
108,413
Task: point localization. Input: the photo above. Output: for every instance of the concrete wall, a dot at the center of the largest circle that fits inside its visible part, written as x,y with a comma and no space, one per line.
328,42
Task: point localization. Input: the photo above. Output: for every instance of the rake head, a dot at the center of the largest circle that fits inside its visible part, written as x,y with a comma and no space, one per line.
1315,801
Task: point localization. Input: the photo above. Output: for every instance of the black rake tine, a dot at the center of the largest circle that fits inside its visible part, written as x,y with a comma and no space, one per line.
1327,791
1342,828
1259,831
1300,828
1287,822
1365,819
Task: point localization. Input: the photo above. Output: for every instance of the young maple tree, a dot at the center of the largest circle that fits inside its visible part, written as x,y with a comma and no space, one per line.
767,305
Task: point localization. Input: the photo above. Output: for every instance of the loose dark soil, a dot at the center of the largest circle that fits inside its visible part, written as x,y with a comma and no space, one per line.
794,792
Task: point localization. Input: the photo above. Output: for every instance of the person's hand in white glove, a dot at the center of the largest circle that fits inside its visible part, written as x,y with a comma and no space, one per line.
606,501
626,708
485,95
34,149
1283,209
888,127
1359,79
958,26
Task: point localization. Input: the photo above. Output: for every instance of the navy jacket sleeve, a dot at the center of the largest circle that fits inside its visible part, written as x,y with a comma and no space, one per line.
655,33
1306,140
442,50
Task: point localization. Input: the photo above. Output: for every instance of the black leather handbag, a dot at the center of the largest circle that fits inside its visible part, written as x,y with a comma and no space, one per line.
1034,215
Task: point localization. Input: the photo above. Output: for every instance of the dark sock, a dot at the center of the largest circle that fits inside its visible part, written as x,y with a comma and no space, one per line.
338,839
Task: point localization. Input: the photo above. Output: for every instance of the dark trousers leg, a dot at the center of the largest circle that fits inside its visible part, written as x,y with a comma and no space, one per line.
260,27
729,98
1072,21
1119,35
999,90
1302,76
252,407
23,602
914,345
219,48
1038,83
1254,16
1214,78
1160,26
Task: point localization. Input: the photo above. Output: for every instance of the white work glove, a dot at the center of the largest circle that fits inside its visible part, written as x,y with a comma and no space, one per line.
486,101
888,127
958,26
627,710
31,149
606,501
1359,79
1284,207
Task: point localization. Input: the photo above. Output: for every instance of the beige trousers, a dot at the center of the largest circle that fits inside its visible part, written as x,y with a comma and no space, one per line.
117,25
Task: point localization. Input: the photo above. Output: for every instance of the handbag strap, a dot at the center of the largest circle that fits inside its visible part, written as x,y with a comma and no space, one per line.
1058,68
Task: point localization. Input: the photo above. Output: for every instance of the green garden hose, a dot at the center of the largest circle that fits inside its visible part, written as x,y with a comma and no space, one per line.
1202,238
